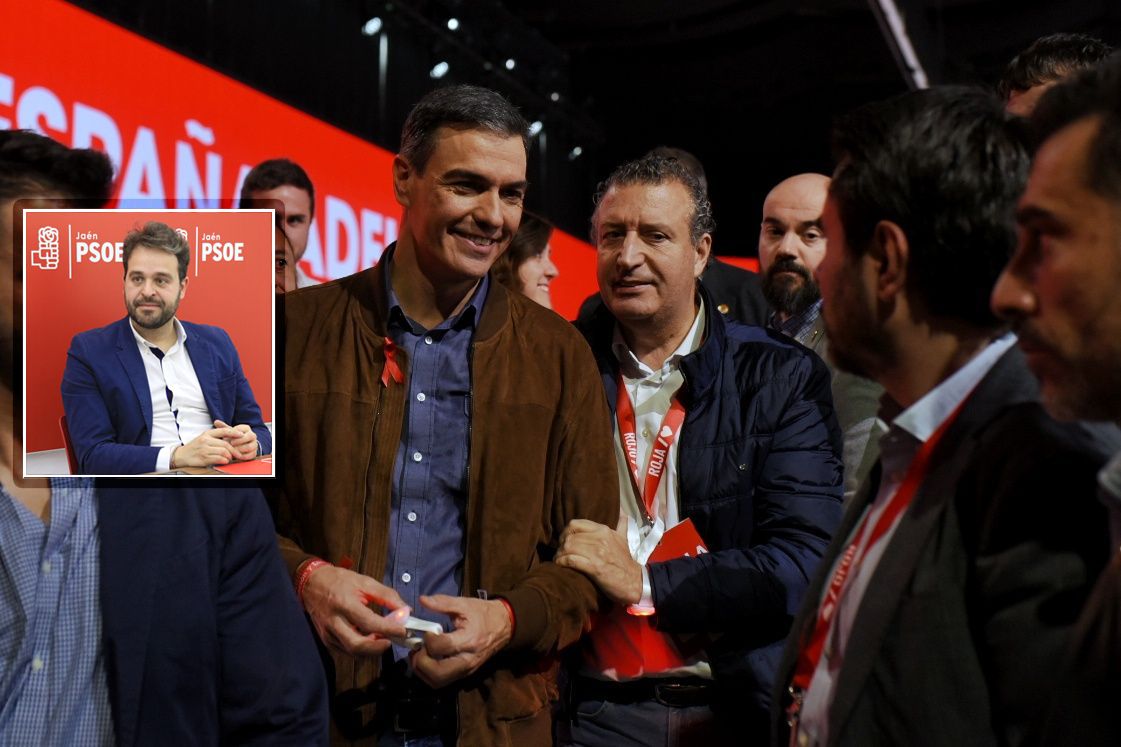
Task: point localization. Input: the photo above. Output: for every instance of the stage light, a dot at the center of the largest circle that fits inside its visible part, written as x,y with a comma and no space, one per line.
372,26
575,153
453,24
535,128
554,97
510,63
439,70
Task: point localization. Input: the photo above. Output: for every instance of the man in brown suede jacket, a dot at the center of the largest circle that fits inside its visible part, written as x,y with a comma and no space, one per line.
440,433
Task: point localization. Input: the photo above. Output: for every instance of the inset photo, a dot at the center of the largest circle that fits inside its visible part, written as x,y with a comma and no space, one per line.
148,342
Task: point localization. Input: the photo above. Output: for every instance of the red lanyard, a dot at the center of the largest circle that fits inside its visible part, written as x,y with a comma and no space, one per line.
646,487
811,654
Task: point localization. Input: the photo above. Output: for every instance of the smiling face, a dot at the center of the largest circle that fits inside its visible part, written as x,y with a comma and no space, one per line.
152,287
534,276
647,264
1060,288
463,209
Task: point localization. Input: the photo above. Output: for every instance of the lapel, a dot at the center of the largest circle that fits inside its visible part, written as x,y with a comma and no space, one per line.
815,338
202,360
128,355
128,522
807,614
1007,383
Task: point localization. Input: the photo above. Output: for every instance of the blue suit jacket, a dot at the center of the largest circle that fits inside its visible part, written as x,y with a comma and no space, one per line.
108,406
205,643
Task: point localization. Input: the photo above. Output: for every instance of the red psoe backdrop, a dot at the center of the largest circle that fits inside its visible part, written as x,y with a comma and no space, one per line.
74,281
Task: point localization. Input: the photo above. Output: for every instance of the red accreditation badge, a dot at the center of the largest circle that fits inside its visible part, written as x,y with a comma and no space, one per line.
682,541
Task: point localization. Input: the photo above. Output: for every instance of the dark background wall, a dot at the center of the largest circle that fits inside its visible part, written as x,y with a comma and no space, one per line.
749,87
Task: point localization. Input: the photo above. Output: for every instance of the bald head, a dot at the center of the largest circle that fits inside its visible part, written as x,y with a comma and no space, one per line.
791,242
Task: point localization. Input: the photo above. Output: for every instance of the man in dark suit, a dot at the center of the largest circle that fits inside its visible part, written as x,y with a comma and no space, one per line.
205,641
149,392
1060,290
954,581
134,613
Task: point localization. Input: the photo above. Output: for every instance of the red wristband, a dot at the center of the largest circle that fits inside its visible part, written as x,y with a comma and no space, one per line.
303,573
510,612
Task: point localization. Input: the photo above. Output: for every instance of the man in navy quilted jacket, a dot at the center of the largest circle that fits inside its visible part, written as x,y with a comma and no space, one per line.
730,483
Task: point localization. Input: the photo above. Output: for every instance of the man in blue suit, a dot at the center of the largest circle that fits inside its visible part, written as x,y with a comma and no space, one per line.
135,613
150,392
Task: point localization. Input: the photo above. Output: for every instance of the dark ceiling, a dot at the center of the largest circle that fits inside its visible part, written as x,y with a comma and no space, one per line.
750,87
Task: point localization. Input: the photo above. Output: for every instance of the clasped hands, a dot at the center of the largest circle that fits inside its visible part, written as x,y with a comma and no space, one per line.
338,602
221,444
601,553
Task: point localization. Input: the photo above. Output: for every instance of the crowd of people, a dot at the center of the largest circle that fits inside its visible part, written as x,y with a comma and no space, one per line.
871,496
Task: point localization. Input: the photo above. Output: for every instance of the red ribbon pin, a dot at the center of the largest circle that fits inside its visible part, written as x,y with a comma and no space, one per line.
391,369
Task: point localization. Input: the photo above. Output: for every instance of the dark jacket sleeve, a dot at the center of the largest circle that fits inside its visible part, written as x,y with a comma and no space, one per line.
793,508
90,424
1040,543
273,687
552,605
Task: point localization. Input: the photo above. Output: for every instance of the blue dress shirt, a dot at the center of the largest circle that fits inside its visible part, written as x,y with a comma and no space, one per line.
53,687
427,514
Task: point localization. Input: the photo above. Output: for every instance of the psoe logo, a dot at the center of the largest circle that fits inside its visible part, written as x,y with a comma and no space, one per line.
46,256
183,234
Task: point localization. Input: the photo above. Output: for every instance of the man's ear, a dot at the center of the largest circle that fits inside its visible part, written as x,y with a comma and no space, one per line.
183,289
402,171
891,250
704,251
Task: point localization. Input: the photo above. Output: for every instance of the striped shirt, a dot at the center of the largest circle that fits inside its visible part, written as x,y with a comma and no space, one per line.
53,686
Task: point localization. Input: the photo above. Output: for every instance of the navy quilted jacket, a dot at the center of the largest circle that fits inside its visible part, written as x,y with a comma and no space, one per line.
760,475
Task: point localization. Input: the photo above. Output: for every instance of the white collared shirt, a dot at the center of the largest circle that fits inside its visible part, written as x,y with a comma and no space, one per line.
187,415
651,392
1110,481
898,447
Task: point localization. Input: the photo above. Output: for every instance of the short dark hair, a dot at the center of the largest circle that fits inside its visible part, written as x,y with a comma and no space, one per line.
31,163
687,159
530,240
1092,93
946,165
157,235
652,169
463,106
273,173
1051,58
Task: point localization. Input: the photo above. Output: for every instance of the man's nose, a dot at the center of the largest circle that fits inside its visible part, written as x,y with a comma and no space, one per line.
790,245
630,252
488,209
1012,296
